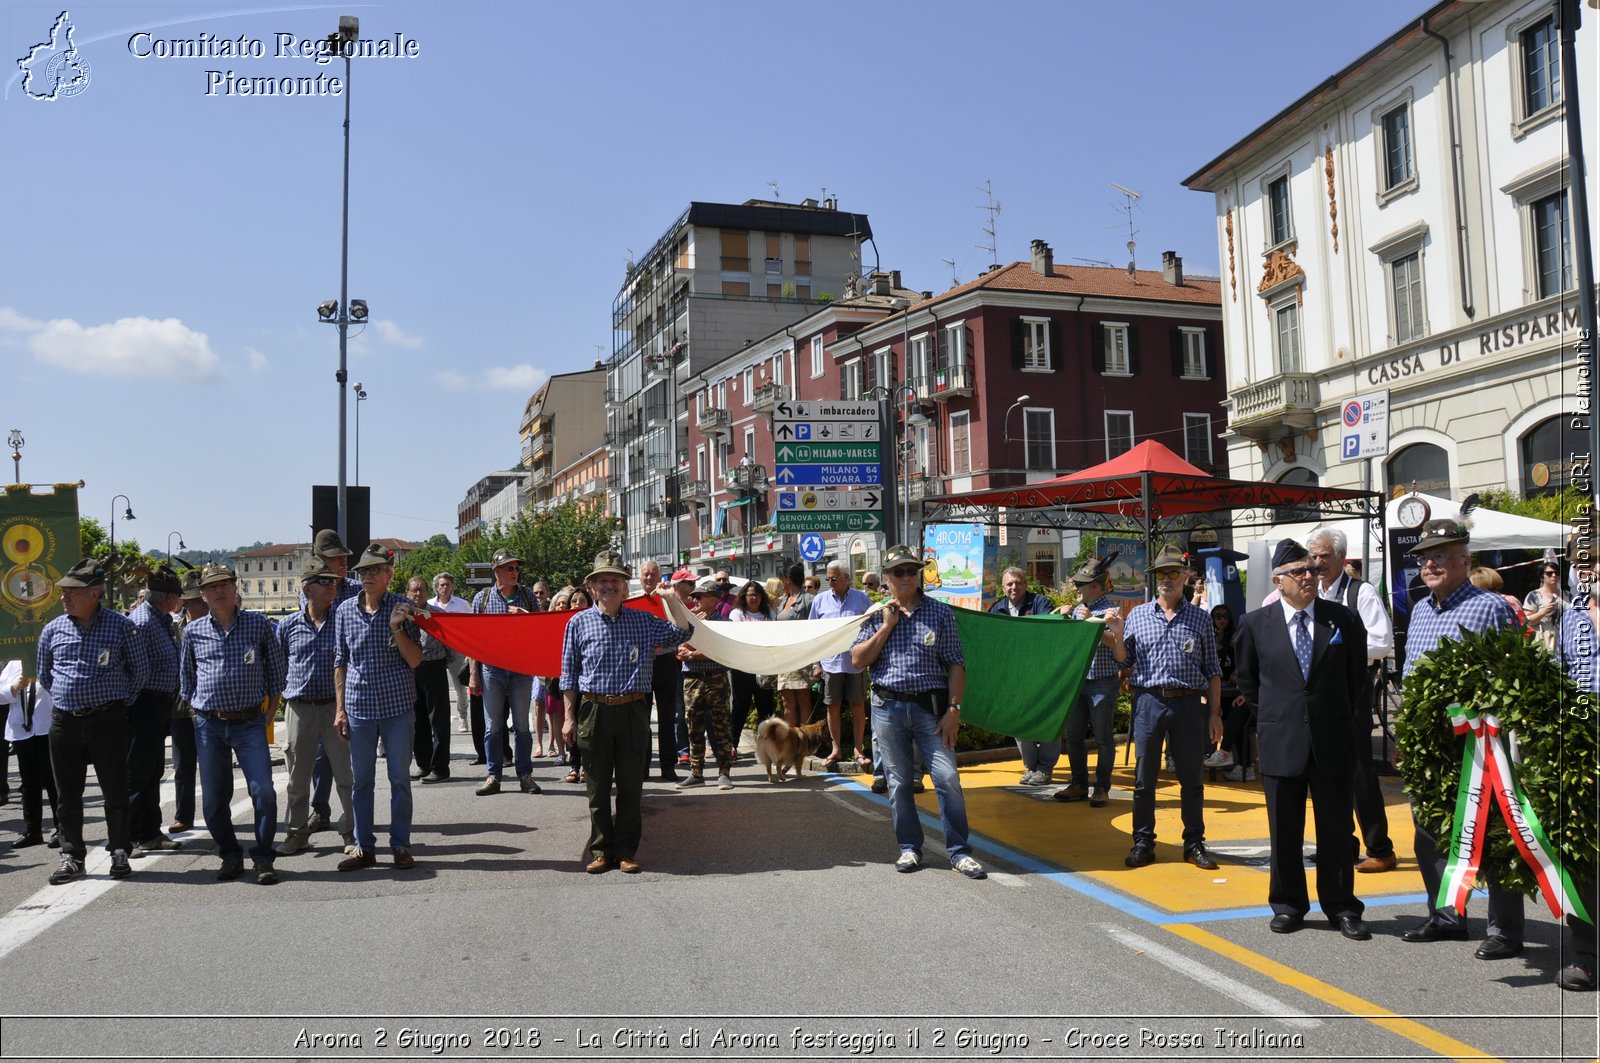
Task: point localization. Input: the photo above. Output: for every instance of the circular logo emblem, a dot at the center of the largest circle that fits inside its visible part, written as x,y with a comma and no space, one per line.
1352,414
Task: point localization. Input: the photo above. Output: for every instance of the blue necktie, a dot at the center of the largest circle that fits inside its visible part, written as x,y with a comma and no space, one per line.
1302,644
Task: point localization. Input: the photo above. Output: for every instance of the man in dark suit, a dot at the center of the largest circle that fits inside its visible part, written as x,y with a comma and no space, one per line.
1302,662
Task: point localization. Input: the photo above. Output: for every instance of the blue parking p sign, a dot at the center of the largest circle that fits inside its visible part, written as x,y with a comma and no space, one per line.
811,546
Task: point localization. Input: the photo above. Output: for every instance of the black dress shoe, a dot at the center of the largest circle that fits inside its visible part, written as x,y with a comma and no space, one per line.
1196,854
1430,931
1495,947
1285,923
31,837
1352,927
1140,856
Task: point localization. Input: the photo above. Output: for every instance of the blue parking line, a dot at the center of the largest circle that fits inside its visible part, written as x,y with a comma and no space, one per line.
1076,882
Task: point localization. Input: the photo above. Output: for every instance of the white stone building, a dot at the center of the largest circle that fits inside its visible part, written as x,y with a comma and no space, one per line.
1407,226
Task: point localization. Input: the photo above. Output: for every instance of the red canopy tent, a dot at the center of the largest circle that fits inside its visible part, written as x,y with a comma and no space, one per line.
1152,490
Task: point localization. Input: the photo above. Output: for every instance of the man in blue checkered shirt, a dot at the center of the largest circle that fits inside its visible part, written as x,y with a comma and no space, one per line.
505,693
1097,701
1452,606
93,663
918,676
329,548
232,672
607,664
307,639
375,647
1173,646
150,716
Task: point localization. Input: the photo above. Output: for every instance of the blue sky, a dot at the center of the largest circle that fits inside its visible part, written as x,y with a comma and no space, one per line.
168,248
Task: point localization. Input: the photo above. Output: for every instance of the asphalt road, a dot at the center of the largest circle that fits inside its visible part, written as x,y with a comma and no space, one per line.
768,924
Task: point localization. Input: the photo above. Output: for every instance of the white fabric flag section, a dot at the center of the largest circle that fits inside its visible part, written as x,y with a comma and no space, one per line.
769,648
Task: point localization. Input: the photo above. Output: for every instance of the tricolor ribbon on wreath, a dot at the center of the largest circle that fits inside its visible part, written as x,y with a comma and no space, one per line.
1485,766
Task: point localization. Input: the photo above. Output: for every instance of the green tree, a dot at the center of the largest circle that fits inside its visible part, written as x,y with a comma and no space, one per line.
558,546
436,555
129,567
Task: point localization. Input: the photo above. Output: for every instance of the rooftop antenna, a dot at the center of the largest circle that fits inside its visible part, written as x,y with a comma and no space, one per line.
992,208
1129,199
955,278
775,193
630,260
1094,262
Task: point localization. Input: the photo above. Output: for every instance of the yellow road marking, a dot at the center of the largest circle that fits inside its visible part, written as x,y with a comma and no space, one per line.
1410,1029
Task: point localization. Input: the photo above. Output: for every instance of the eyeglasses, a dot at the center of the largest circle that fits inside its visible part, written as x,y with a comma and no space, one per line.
324,581
904,572
832,578
1300,573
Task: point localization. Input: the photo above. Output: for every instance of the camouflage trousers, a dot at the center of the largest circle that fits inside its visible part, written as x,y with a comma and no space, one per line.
705,714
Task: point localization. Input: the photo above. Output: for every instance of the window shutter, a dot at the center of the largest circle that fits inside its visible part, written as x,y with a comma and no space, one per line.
944,349
1097,335
1213,344
1019,342
1133,350
968,351
1177,352
1055,346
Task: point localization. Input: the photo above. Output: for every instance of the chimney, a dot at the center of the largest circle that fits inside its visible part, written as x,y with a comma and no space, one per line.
1172,268
1044,259
808,203
927,293
880,283
894,279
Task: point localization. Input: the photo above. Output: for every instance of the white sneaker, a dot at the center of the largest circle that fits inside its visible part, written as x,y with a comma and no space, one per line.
1240,773
909,861
724,782
970,868
1219,758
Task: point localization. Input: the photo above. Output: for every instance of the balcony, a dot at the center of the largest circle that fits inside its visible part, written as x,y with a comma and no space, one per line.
697,491
540,445
658,462
539,474
948,383
767,396
657,366
658,415
713,420
590,486
1263,410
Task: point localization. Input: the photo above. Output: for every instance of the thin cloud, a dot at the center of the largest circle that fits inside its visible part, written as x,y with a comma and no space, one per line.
522,377
451,380
258,361
127,347
396,335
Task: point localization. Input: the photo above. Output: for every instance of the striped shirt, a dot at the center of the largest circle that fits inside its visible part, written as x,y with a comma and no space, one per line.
830,606
1181,652
1466,609
1102,665
921,650
1577,648
309,648
603,654
155,631
233,670
84,670
378,683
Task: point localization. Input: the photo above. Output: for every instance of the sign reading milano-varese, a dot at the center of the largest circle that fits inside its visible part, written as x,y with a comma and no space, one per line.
825,452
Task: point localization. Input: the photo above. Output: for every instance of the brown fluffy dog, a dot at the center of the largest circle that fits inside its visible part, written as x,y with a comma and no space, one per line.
783,747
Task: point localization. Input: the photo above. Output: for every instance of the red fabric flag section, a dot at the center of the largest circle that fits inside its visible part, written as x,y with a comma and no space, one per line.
525,643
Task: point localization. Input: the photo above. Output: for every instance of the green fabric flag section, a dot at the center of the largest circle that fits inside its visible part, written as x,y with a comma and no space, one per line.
38,543
1024,672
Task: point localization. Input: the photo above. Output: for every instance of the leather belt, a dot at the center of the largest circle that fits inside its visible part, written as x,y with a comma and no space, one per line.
248,714
1173,692
934,701
612,699
311,701
93,710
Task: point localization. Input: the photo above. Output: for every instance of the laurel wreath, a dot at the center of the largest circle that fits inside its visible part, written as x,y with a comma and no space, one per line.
1554,725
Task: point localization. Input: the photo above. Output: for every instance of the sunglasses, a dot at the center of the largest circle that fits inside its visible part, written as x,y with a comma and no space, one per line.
1300,573
323,581
903,572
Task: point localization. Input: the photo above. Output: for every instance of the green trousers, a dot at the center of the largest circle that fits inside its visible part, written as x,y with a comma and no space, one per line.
615,741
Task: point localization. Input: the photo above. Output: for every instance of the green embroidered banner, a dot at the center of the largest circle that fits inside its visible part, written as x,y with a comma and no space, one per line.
1024,672
38,542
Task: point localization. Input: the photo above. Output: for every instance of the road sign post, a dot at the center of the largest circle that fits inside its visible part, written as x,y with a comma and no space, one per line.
830,466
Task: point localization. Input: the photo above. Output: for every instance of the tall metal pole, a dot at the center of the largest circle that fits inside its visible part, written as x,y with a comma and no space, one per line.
344,296
1577,186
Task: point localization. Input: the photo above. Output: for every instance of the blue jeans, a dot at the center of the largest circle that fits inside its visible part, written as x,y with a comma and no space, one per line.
217,743
499,689
1095,708
1182,723
900,729
397,732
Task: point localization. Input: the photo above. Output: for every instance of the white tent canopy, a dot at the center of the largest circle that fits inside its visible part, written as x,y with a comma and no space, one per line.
1491,529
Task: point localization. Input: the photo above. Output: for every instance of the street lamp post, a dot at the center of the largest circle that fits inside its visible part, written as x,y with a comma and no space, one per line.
127,514
898,507
361,396
1005,432
752,481
181,544
15,442
346,310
